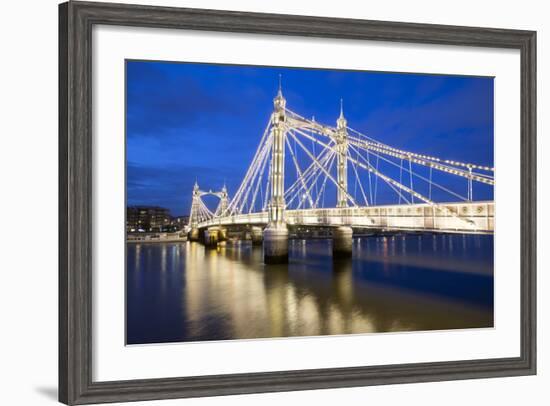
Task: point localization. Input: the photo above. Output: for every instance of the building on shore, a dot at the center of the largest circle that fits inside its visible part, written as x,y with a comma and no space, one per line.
179,222
147,219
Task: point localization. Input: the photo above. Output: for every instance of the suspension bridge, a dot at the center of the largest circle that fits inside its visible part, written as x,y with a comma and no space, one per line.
305,173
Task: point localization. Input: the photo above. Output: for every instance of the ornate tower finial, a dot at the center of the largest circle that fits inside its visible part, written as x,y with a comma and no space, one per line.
196,188
279,101
341,122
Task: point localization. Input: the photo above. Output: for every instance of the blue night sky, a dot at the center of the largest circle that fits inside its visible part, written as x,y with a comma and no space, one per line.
190,121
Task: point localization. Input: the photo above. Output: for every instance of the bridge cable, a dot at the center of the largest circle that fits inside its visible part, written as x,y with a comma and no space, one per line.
299,171
315,154
323,186
261,173
457,195
411,179
376,180
375,171
421,159
397,191
478,177
400,176
421,156
314,175
430,185
292,133
237,196
257,165
357,179
309,173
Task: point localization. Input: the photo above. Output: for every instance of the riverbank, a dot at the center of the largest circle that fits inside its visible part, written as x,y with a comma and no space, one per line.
142,238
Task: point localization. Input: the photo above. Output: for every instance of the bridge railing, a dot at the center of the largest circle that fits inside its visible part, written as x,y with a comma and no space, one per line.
469,217
239,219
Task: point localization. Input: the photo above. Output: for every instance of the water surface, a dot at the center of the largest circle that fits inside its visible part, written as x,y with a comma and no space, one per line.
184,292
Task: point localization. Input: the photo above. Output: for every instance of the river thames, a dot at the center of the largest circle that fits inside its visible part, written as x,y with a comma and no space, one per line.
180,292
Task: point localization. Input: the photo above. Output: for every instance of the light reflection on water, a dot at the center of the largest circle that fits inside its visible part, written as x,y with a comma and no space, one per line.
184,292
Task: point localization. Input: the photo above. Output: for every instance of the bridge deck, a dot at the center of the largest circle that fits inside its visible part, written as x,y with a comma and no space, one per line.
470,217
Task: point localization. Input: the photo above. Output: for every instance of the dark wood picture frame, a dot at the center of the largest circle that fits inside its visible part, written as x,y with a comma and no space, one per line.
76,20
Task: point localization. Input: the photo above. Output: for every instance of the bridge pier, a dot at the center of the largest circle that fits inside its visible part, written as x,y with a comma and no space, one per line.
342,242
194,234
276,244
211,237
256,235
222,237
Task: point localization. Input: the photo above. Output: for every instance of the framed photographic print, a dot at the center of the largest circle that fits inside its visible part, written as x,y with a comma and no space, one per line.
260,202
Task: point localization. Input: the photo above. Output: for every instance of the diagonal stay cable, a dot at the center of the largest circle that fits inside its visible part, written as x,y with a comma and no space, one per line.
430,182
358,180
325,161
299,172
293,135
312,177
397,191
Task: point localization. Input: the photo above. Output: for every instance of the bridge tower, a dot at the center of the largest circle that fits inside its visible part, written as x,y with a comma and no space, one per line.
193,216
224,202
276,232
342,158
342,236
221,210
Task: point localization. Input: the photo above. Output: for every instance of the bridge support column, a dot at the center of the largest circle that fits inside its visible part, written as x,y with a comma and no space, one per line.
222,237
276,232
342,242
276,245
256,235
194,234
211,237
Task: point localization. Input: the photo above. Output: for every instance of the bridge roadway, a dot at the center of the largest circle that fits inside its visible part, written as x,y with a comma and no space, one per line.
468,218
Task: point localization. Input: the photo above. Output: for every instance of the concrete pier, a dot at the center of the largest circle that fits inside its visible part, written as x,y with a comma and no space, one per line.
276,244
211,237
256,234
342,242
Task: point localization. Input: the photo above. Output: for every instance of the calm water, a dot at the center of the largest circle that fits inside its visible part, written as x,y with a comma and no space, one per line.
184,292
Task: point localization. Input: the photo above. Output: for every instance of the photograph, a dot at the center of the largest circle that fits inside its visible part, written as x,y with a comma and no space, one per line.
266,202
